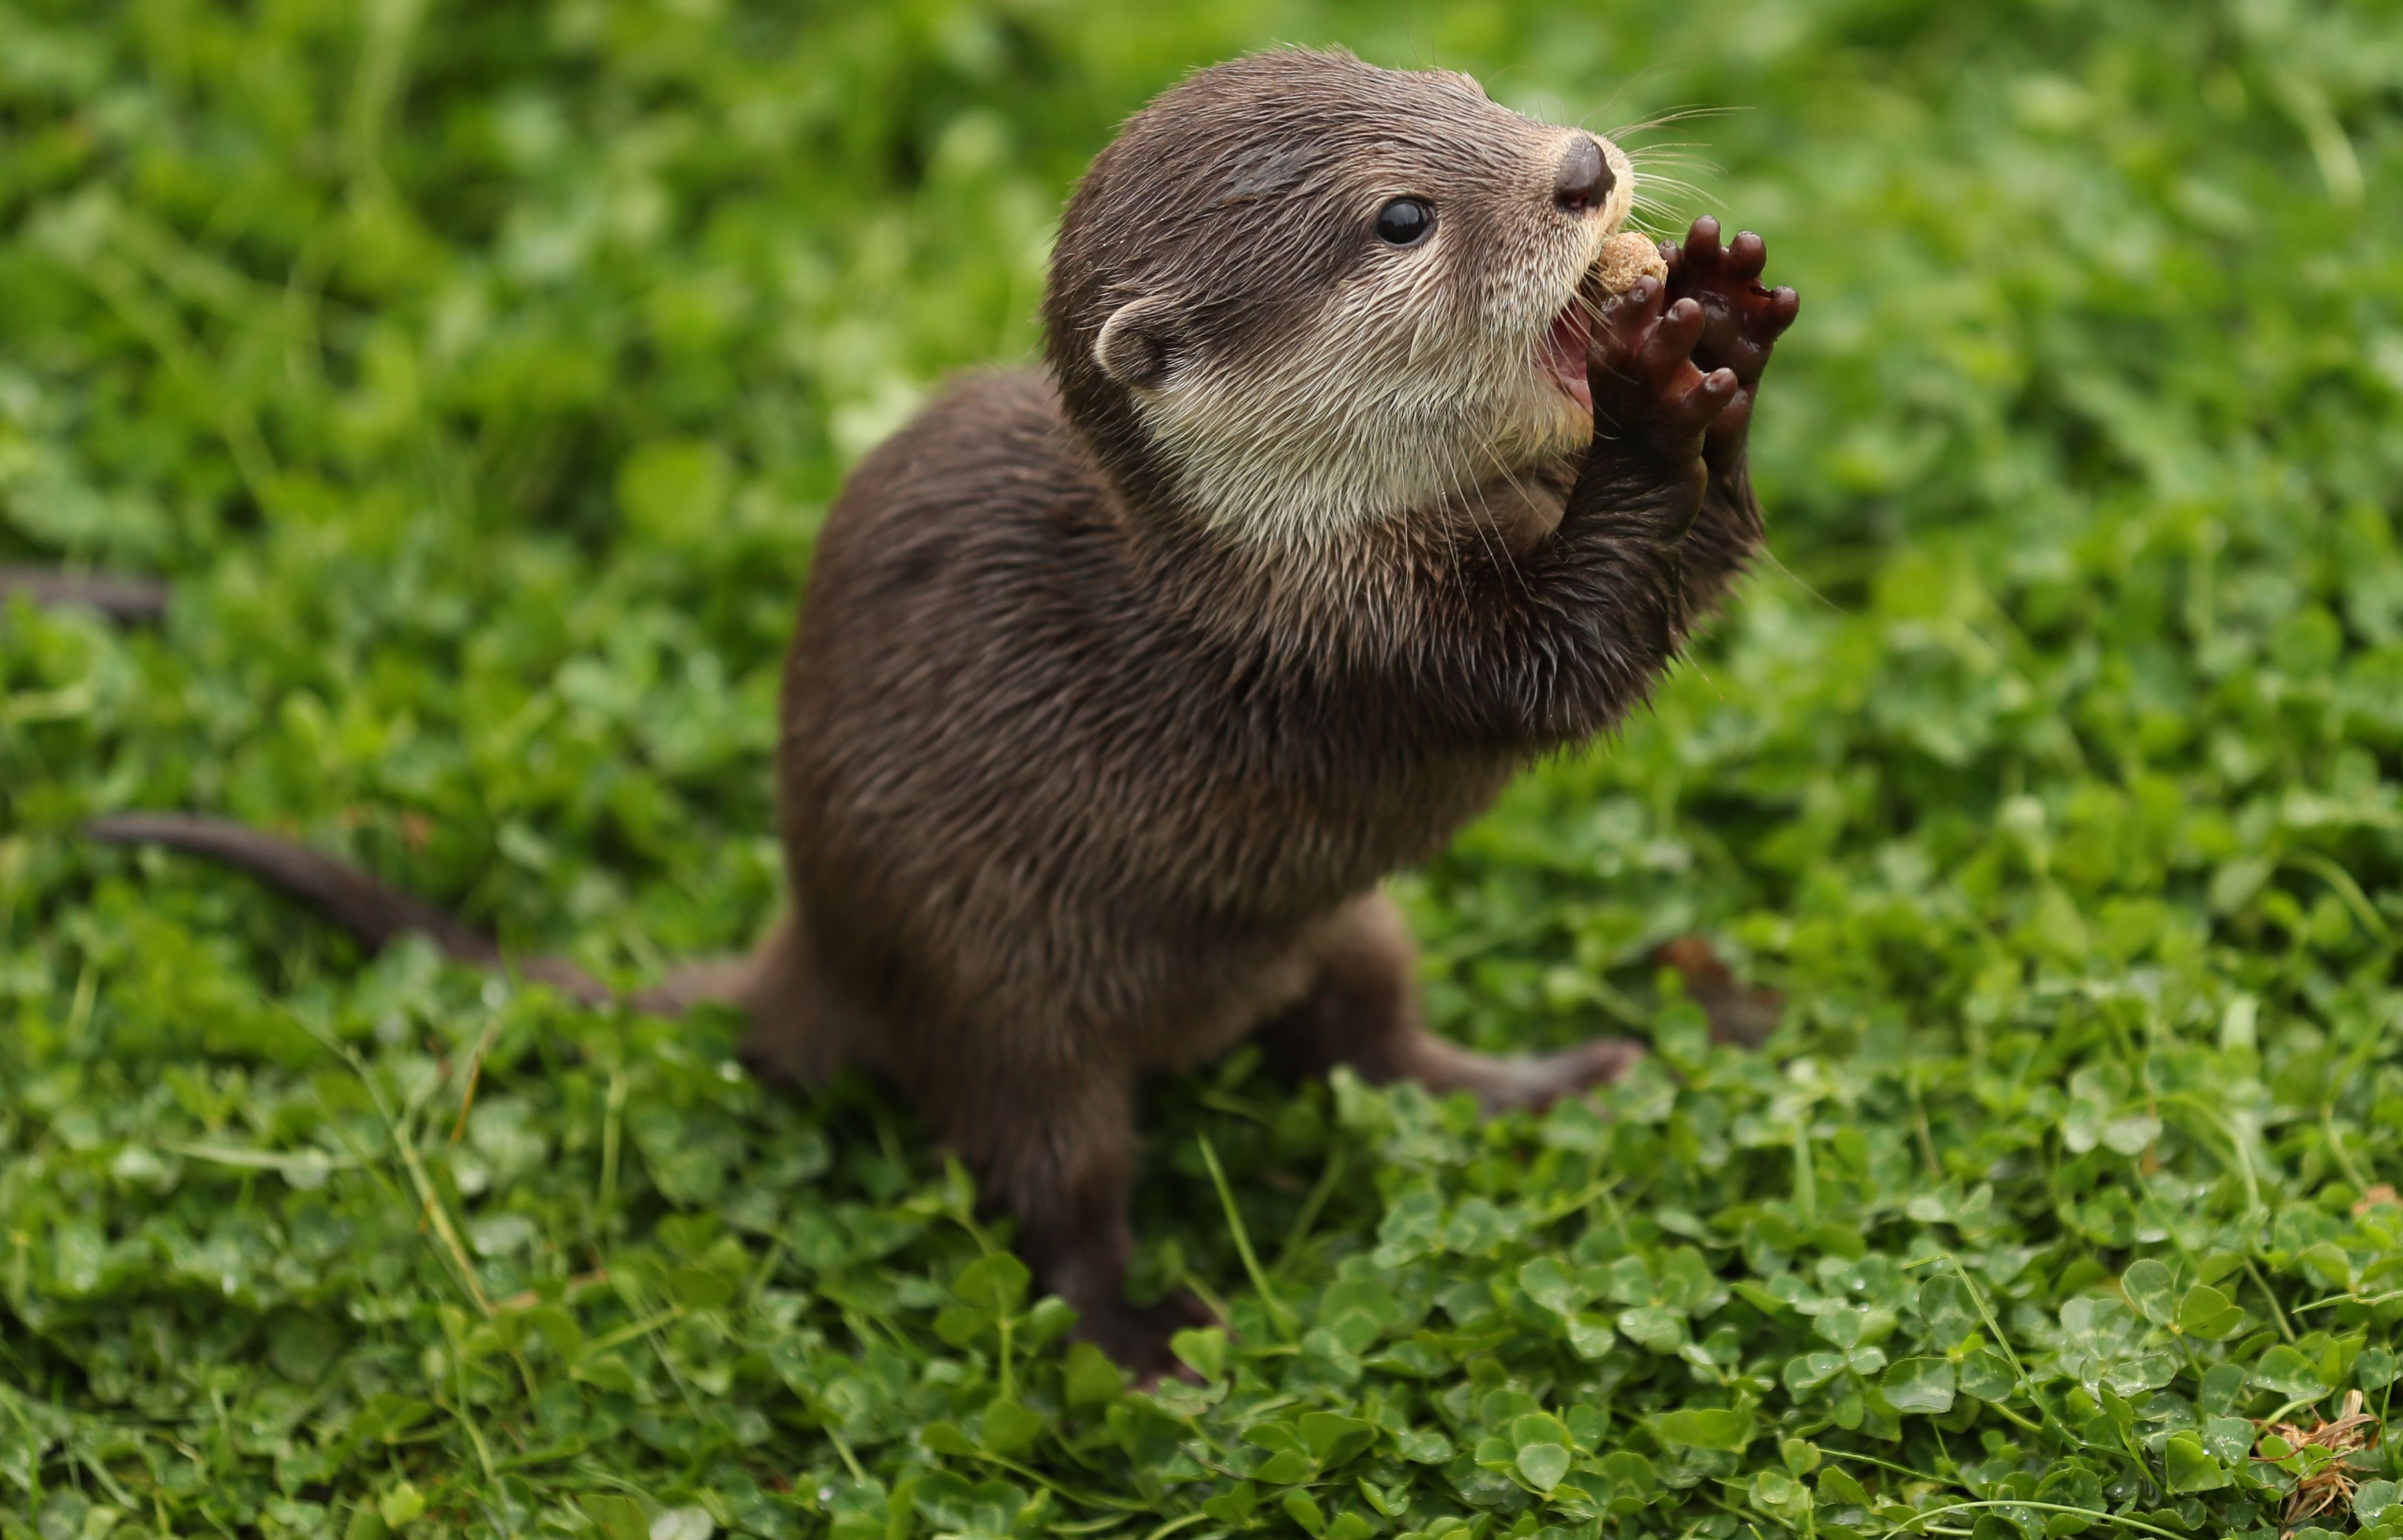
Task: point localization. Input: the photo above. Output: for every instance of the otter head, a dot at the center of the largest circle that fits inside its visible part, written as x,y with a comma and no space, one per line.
1300,294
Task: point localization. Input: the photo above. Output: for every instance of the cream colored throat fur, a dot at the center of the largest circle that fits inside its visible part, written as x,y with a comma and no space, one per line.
1411,385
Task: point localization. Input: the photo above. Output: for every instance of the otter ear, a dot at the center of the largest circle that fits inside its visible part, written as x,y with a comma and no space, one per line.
1135,343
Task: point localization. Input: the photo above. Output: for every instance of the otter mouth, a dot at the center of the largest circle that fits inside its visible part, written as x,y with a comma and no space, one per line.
1563,352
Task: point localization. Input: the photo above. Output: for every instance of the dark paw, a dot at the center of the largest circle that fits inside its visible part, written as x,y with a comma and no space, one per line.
1640,365
1743,320
1740,1013
1136,1337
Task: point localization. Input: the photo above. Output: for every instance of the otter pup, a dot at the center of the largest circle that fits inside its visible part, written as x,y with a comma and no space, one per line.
1118,690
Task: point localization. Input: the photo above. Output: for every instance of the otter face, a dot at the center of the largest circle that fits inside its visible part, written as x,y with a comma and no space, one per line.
1300,294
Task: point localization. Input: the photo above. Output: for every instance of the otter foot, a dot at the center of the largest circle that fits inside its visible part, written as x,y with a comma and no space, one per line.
1743,320
1136,1337
1530,1081
1539,1081
1647,392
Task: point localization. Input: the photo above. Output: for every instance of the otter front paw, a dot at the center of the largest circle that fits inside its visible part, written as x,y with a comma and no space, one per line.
1647,394
1743,321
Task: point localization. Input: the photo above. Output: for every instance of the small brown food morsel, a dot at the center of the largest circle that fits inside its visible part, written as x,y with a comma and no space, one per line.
1627,256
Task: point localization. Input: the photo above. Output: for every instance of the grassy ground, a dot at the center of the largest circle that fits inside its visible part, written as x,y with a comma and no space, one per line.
479,372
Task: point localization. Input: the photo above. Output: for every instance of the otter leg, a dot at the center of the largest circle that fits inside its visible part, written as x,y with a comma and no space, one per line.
1362,1010
1053,1145
1049,1134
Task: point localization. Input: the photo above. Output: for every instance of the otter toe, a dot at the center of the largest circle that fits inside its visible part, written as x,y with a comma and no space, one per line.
1702,242
1747,257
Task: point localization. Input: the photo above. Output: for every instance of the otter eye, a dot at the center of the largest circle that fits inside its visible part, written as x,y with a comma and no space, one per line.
1404,222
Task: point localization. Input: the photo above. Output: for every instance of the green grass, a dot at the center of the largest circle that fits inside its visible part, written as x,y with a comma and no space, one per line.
481,373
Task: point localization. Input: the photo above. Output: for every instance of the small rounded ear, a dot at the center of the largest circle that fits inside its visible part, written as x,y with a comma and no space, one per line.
1135,343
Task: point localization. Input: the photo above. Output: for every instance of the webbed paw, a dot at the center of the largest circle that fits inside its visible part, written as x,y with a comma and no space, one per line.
1647,392
1743,320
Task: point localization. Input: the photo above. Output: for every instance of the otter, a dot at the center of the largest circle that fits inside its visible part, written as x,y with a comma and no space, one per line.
1119,688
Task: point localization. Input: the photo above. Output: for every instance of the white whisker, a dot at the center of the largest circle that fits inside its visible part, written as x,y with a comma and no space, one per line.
1674,114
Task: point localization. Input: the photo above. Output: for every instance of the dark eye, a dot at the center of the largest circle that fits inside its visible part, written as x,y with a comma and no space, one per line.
1404,222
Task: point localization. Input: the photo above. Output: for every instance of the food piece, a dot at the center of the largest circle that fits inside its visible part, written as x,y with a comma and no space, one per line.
1625,257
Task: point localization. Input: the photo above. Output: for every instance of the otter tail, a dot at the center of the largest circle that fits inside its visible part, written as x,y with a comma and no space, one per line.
124,599
378,913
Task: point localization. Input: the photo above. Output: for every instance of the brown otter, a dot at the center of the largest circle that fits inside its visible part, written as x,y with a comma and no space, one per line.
1115,693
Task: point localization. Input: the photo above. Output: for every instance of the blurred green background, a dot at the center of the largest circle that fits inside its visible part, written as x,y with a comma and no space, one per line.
479,373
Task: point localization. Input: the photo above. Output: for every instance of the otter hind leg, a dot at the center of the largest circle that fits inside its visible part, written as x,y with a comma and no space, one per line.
1052,1141
1362,1010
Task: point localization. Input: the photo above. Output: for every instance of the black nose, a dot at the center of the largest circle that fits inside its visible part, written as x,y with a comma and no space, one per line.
1584,179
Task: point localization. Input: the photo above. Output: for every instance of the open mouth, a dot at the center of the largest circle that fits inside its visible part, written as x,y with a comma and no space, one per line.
1563,352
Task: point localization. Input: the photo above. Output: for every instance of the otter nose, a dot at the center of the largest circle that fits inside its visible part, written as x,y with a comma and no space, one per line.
1584,179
